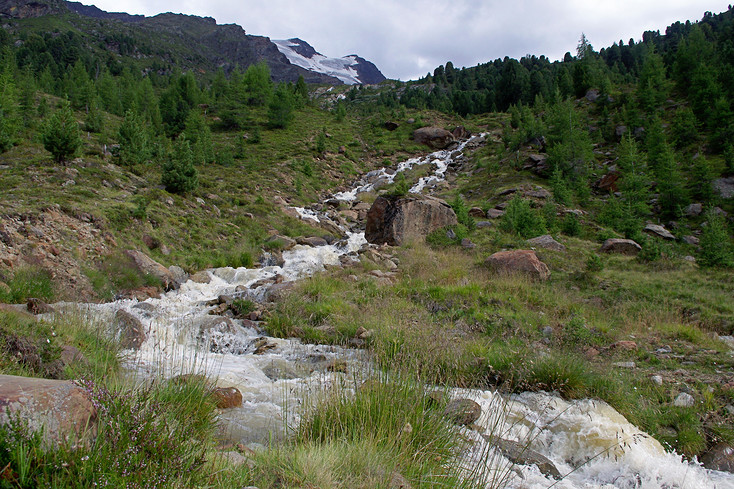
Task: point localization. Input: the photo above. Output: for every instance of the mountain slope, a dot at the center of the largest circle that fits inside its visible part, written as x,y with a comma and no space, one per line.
350,69
187,42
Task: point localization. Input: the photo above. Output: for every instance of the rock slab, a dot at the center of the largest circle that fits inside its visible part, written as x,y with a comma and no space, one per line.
61,407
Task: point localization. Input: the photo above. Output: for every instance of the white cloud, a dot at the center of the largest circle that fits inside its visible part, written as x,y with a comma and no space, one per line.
406,39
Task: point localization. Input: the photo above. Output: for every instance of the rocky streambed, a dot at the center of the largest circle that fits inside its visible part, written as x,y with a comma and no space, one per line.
535,440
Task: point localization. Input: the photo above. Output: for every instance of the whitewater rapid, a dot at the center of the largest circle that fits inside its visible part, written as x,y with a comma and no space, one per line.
588,441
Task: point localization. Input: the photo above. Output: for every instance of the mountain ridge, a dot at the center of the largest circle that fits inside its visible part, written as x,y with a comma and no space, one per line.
203,42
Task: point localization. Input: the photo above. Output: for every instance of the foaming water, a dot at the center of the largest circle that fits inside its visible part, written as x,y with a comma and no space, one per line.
591,445
440,159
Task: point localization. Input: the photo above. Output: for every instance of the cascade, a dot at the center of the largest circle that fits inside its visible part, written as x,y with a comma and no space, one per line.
588,440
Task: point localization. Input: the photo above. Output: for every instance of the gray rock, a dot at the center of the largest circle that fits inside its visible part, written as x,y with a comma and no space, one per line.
178,273
520,454
463,411
495,213
691,240
132,331
546,241
314,241
684,400
657,379
724,187
624,364
484,224
693,210
201,277
658,231
623,246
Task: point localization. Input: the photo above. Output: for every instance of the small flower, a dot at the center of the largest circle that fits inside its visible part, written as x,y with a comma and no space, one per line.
85,458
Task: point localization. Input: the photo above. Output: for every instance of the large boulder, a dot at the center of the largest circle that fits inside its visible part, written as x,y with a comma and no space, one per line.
149,266
519,261
622,246
433,137
397,220
61,407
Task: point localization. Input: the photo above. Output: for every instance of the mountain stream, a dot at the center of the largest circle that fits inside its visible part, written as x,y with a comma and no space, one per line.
591,444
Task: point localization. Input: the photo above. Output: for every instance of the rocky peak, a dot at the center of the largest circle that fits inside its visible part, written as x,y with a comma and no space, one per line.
24,9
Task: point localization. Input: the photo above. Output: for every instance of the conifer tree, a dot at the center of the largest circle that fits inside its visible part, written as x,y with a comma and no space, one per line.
280,109
179,174
60,134
134,140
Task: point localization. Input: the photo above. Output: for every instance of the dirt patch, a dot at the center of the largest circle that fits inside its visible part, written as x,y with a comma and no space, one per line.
56,242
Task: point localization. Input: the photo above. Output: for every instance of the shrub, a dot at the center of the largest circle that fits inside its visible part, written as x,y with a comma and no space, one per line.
462,212
594,263
521,219
651,251
716,250
571,225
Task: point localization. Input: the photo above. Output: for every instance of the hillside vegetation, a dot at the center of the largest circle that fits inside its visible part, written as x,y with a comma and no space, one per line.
103,151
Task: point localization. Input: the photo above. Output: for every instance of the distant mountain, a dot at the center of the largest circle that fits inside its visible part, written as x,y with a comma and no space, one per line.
180,41
350,69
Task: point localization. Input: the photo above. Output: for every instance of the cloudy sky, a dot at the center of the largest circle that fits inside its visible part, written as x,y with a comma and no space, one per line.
408,38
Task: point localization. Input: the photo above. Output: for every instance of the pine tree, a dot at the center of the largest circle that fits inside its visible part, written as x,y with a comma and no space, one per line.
179,174
716,248
134,140
60,134
280,109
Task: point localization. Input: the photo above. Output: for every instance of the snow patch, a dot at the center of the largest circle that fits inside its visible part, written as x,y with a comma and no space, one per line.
341,68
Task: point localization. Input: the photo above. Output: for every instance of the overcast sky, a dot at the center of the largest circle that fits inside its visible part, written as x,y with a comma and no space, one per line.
408,38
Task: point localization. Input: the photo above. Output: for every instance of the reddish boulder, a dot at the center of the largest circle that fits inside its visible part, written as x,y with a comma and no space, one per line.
608,183
519,261
227,397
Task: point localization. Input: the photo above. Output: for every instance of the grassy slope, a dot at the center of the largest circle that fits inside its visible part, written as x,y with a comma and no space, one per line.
505,332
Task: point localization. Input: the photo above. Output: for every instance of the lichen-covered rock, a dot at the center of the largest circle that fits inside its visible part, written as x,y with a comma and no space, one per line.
62,408
546,241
